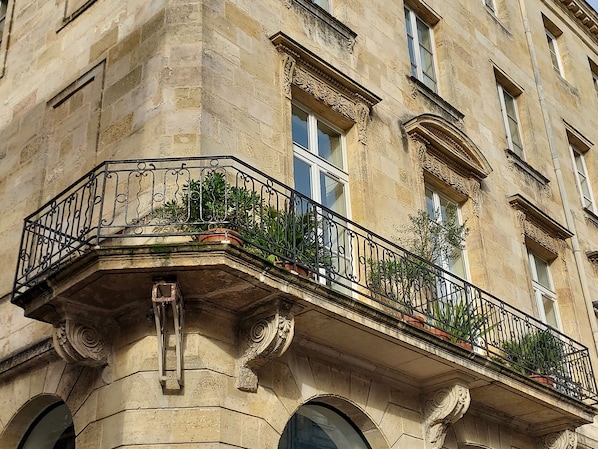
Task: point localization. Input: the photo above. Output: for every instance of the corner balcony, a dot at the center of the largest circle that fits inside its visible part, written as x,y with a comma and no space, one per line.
234,237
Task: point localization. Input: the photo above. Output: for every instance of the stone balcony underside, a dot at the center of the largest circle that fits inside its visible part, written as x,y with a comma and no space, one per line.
109,284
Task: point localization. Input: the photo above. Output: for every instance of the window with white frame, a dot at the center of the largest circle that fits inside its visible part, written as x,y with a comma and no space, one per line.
320,174
510,113
544,294
441,209
420,42
319,160
581,176
594,71
555,56
324,4
3,11
490,5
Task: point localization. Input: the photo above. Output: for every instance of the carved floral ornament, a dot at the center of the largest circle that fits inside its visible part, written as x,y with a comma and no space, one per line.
448,154
312,75
566,439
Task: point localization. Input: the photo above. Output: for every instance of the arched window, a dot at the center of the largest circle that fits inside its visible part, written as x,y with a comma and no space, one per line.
316,426
52,429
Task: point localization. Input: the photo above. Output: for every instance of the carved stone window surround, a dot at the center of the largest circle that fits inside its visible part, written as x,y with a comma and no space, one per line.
449,111
538,226
346,34
304,70
446,153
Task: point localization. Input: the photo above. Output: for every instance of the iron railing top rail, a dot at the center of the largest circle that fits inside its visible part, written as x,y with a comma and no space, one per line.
152,198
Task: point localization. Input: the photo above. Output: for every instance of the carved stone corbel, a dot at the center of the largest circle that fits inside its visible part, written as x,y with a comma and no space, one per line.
265,335
288,69
77,343
565,439
444,407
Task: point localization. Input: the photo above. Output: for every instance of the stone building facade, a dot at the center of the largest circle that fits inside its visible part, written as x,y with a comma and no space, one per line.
119,329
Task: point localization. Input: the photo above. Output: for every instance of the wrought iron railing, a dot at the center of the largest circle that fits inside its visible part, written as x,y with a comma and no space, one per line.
152,199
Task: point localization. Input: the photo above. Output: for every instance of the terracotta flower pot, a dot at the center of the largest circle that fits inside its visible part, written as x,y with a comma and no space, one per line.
546,380
221,235
293,268
439,333
415,320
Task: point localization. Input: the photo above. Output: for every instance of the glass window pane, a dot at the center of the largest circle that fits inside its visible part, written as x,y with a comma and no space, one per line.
299,126
323,4
53,430
329,145
430,203
543,278
302,177
550,310
333,194
424,35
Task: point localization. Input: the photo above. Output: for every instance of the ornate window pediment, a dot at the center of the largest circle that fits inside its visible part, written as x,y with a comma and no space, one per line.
308,73
538,227
448,154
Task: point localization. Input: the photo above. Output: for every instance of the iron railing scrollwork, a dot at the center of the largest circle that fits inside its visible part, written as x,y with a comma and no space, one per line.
151,199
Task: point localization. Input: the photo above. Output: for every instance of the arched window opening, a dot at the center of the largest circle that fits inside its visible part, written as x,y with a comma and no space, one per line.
317,426
52,429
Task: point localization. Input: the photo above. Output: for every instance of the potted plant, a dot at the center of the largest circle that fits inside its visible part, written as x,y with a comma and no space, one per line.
461,321
290,239
539,354
213,209
411,277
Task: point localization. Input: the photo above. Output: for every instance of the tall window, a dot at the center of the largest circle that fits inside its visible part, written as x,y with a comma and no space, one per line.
508,104
52,429
594,71
319,160
3,9
420,42
554,52
320,174
490,5
583,183
324,4
544,294
441,210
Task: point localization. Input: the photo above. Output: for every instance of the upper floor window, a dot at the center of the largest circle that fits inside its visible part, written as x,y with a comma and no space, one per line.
552,35
490,5
594,70
420,42
583,183
544,294
3,10
446,213
319,160
510,113
324,4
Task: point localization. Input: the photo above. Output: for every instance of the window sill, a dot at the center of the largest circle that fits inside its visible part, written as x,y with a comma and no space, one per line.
527,168
591,216
447,110
340,29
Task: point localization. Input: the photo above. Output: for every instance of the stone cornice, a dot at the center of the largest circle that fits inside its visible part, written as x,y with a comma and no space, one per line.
584,14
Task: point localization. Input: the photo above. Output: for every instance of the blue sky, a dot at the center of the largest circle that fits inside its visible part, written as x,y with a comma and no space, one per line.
593,3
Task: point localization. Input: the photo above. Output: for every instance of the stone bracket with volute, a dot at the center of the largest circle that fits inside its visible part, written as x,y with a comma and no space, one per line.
264,335
443,407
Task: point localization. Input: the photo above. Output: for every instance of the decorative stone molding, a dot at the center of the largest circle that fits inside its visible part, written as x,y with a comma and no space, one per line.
265,335
448,154
538,226
307,72
444,407
80,344
530,174
587,18
566,439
